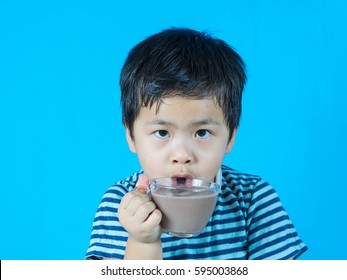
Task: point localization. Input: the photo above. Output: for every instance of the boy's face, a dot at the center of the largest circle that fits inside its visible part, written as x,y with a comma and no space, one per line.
185,138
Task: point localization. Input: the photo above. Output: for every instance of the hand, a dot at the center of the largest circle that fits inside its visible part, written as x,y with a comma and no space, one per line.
139,215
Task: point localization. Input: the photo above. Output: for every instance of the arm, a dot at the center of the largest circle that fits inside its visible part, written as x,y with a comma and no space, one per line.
140,217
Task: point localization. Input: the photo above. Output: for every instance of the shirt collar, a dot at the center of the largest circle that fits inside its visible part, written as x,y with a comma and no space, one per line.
218,179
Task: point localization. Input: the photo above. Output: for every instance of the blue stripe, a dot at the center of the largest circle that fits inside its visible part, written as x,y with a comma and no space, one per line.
106,255
270,243
267,214
263,195
282,249
107,209
297,253
207,235
110,199
227,209
120,191
267,224
226,221
233,240
269,234
264,205
108,237
229,251
108,246
108,228
105,218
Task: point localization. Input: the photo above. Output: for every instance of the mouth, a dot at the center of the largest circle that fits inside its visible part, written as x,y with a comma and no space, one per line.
181,179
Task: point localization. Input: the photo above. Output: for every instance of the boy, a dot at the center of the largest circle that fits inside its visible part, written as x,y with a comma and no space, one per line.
181,104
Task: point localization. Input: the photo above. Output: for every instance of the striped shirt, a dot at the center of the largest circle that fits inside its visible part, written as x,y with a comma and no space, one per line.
248,222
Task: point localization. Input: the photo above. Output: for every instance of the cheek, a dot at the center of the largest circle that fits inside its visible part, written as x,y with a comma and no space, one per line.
150,148
213,161
152,158
210,166
214,151
212,157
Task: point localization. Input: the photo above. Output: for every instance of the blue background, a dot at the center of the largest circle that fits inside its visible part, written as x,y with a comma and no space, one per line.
61,139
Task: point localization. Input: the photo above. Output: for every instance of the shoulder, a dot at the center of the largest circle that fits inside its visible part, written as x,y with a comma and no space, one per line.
115,193
250,190
230,174
123,186
240,180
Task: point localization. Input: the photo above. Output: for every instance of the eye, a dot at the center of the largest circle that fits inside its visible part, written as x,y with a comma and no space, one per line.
202,133
162,134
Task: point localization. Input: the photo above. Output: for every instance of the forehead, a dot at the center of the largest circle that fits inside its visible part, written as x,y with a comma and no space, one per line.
182,110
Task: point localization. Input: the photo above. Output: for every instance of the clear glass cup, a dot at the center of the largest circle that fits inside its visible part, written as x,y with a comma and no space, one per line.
186,204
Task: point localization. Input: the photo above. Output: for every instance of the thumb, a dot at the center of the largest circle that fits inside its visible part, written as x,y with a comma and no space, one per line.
142,183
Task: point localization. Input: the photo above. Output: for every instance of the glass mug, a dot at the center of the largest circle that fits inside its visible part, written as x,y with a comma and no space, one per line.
186,204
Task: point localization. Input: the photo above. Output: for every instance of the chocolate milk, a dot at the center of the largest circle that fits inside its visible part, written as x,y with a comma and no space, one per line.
186,210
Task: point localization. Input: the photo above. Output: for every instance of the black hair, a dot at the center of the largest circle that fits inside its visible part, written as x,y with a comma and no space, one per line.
181,62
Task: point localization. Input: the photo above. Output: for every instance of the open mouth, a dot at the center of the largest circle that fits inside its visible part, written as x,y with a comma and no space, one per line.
181,180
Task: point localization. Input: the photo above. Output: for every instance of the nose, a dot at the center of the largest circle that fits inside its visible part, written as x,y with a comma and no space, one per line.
182,153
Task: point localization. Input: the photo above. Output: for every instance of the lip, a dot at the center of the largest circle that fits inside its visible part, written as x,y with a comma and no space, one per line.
182,175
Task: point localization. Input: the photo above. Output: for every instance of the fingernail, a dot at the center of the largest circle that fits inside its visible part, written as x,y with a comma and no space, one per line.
142,189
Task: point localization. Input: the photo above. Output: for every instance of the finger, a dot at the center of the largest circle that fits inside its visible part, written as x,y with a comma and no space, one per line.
129,198
136,202
144,211
141,187
153,220
142,183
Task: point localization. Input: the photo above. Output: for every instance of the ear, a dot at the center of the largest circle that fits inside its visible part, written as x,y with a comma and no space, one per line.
231,142
130,140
